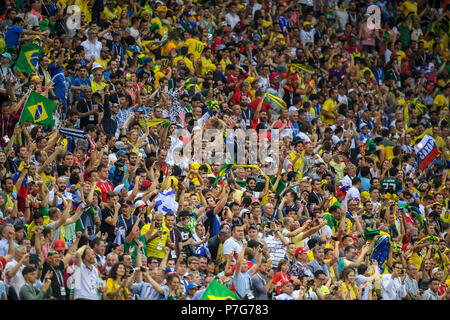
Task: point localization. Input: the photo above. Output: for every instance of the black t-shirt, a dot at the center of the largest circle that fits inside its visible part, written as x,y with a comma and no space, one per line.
57,284
175,237
185,236
84,106
106,227
315,198
237,221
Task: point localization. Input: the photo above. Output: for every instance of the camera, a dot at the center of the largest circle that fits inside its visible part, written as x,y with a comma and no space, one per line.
143,269
310,283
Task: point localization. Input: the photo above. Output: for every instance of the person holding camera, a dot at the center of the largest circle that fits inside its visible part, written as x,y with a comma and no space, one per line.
393,285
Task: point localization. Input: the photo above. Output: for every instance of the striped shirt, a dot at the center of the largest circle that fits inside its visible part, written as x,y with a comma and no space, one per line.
105,186
276,248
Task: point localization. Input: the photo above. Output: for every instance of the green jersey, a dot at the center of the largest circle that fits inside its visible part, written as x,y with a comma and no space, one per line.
391,185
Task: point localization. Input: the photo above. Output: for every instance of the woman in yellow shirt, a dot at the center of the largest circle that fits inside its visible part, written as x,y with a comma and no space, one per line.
348,288
116,284
135,141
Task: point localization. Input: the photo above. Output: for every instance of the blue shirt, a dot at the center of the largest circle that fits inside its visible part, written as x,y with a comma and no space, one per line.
79,82
242,283
53,70
61,87
365,184
284,24
12,36
145,291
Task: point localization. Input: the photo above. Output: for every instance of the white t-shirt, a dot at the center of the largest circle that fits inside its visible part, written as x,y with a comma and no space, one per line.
230,245
307,36
232,19
18,280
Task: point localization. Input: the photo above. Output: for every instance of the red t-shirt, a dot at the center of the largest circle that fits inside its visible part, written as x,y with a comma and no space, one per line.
106,186
280,276
254,104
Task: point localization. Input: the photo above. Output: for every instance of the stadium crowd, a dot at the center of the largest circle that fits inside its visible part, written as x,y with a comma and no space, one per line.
103,205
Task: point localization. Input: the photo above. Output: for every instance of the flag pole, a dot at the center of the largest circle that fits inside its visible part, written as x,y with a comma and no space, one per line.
28,93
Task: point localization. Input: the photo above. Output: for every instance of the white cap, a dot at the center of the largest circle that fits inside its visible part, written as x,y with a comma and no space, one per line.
96,65
139,203
119,188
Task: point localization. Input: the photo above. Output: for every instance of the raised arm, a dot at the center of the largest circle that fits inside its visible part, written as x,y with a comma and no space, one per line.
73,248
154,284
240,259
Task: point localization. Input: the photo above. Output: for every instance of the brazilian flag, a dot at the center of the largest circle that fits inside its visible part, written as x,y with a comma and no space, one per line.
217,291
38,109
223,172
28,58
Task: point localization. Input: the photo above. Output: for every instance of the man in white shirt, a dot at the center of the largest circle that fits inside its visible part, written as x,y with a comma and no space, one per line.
86,286
353,192
351,173
307,33
264,81
91,45
232,18
7,232
234,243
13,269
393,285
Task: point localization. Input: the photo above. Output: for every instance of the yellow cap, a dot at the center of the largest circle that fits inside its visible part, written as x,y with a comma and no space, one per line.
35,78
306,23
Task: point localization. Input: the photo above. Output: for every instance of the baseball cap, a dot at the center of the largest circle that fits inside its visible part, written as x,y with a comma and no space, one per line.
300,250
52,253
192,285
119,188
96,65
256,201
146,183
104,49
126,203
139,204
6,55
170,270
121,153
307,23
59,245
435,270
354,235
120,145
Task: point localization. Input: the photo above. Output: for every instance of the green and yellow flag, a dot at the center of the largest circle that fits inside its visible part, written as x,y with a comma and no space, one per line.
38,109
28,58
154,122
217,291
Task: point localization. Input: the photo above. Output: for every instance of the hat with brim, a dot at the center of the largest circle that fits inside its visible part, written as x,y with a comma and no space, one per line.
6,55
140,204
